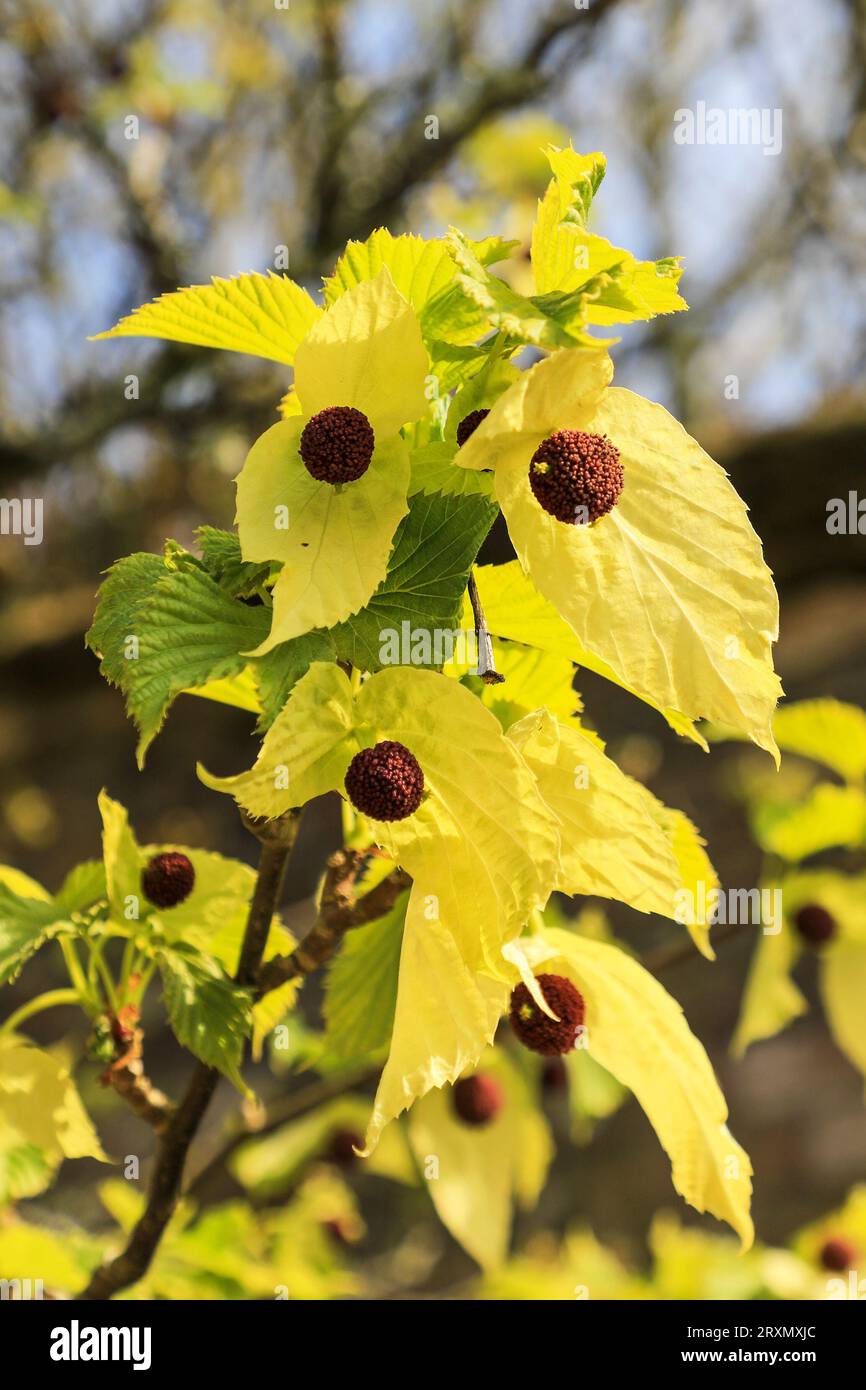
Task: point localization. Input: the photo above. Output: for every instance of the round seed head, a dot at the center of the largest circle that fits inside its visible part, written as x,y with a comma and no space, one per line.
469,424
337,444
815,924
477,1099
536,1030
385,782
576,477
167,879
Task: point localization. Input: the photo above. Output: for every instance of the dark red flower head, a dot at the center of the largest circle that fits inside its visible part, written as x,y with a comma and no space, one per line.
337,444
576,477
837,1255
815,924
342,1145
167,879
385,782
550,1036
477,1099
469,424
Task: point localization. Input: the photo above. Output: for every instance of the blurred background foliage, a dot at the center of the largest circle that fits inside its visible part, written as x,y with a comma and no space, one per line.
265,137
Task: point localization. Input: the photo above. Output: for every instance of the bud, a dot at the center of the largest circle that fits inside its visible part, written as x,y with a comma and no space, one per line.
168,879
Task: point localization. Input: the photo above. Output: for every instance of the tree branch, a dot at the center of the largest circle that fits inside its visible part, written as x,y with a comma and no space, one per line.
339,912
277,840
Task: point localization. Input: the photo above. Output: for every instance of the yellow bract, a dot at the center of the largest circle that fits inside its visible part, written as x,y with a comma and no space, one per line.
367,352
612,847
514,608
40,1109
445,1017
562,391
334,541
637,1031
306,751
772,1000
670,589
481,1170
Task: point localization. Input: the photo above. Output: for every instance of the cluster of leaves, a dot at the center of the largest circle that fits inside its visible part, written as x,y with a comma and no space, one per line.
667,595
687,1263
811,825
194,947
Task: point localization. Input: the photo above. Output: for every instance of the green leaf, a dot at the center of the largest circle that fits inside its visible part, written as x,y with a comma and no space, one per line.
25,925
208,1013
264,315
827,731
581,278
543,325
189,632
123,860
221,557
361,987
827,817
422,593
424,273
22,884
129,583
279,670
83,886
24,1171
433,471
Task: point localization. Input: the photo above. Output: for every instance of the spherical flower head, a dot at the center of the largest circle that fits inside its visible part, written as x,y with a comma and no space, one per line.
337,444
576,477
477,1099
837,1255
168,879
469,424
385,782
815,924
551,1037
341,1147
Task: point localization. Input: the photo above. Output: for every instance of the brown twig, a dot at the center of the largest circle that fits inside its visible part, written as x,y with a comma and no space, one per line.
129,1080
277,838
339,911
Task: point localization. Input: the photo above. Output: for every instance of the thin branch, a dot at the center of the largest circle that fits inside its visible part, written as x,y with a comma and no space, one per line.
281,1113
339,911
277,840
